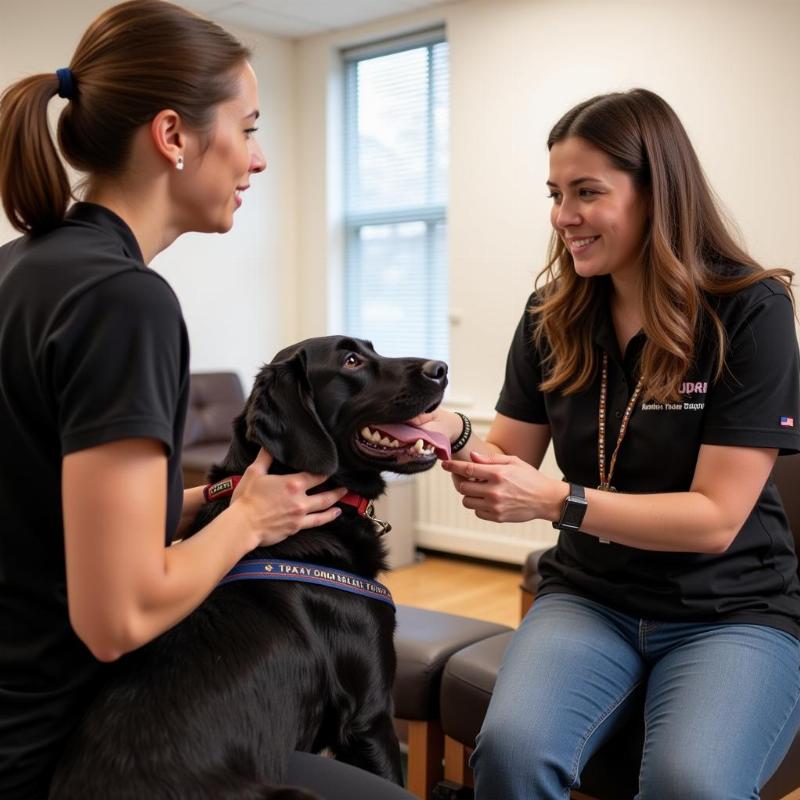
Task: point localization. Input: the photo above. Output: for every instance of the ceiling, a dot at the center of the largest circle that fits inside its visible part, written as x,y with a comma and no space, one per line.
297,18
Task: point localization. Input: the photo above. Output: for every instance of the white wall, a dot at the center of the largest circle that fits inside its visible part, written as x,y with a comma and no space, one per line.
236,290
728,67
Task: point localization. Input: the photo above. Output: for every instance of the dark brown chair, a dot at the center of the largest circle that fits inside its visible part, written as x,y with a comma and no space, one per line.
425,640
612,773
215,398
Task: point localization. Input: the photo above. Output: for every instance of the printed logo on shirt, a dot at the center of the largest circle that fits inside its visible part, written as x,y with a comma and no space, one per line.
699,387
787,422
694,398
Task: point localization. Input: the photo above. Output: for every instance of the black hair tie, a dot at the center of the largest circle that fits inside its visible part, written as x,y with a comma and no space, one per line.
66,83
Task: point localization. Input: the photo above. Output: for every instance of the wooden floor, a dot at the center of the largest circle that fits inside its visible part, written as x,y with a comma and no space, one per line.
459,586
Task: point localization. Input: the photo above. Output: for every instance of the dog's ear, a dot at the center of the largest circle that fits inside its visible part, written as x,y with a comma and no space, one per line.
282,418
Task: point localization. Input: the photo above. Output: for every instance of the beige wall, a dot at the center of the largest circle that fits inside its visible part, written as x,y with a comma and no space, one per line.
236,290
729,68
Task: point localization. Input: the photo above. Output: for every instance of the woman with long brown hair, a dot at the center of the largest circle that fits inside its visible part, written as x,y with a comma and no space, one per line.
94,370
662,363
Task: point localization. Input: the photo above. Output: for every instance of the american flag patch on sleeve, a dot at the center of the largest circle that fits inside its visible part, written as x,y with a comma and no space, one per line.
787,422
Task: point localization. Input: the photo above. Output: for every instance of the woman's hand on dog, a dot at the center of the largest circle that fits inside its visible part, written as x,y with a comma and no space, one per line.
278,506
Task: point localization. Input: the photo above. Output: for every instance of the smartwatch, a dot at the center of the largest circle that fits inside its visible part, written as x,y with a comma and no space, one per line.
573,510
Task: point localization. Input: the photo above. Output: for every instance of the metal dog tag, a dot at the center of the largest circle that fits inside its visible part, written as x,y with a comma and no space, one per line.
381,526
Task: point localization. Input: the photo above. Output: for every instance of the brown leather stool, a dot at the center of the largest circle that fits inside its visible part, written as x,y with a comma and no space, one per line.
424,641
611,774
467,686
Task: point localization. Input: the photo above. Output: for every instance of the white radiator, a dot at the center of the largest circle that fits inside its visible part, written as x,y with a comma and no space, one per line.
442,523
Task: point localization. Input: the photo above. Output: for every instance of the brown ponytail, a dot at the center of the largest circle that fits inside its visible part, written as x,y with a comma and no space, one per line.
135,59
33,182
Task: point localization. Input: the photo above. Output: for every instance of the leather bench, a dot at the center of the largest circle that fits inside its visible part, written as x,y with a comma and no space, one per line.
424,641
611,774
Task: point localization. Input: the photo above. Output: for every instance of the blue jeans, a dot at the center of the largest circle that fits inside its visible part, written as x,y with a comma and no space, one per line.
721,703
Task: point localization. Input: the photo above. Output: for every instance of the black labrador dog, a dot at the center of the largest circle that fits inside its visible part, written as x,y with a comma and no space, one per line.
212,708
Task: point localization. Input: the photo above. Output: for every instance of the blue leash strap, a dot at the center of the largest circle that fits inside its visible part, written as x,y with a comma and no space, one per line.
250,569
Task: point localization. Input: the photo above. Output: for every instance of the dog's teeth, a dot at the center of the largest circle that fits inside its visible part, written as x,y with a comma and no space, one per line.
395,443
385,441
366,434
376,437
418,445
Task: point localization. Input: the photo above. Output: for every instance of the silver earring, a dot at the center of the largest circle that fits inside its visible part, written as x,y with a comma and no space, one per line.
179,164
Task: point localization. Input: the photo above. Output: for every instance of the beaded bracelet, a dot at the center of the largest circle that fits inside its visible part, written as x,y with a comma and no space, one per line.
466,432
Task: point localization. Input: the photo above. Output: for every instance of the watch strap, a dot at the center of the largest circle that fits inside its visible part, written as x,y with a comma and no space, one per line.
573,510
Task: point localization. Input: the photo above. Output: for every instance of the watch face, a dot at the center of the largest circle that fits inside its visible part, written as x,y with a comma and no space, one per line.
574,511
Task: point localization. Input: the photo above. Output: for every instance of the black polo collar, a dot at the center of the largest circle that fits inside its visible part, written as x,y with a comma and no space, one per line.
605,337
105,219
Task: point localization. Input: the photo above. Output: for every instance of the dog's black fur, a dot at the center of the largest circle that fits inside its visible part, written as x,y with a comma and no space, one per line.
213,707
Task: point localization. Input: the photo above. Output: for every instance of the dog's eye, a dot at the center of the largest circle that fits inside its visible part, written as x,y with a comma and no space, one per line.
352,361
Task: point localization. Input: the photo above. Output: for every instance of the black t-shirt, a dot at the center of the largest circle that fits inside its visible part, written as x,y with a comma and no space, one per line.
93,348
755,403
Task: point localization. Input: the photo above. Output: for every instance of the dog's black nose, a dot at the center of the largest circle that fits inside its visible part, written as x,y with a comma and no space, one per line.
435,370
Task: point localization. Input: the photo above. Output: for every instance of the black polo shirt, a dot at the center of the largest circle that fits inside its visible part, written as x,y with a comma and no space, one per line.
93,349
756,403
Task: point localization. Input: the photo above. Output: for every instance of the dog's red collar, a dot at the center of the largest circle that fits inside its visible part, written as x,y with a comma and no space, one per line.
361,504
366,509
220,489
225,488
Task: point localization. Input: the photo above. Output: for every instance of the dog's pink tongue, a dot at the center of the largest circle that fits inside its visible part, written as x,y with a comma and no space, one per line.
408,434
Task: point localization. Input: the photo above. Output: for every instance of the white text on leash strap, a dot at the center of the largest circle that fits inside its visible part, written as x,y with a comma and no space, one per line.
255,569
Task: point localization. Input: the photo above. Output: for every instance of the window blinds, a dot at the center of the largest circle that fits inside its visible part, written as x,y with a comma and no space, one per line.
396,168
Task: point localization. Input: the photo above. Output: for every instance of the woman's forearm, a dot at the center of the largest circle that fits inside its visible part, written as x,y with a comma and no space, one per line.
705,519
681,521
193,500
190,570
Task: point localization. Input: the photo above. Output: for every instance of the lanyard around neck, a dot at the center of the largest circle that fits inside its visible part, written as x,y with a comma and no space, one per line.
605,478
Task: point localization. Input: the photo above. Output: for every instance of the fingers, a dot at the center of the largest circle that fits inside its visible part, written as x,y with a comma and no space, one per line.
320,518
474,489
323,500
463,485
481,511
439,421
310,479
263,461
471,470
491,458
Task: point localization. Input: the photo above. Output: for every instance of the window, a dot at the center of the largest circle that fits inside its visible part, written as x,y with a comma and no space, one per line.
396,164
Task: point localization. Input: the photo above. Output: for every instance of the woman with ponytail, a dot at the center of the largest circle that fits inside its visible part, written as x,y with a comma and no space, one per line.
661,362
160,115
